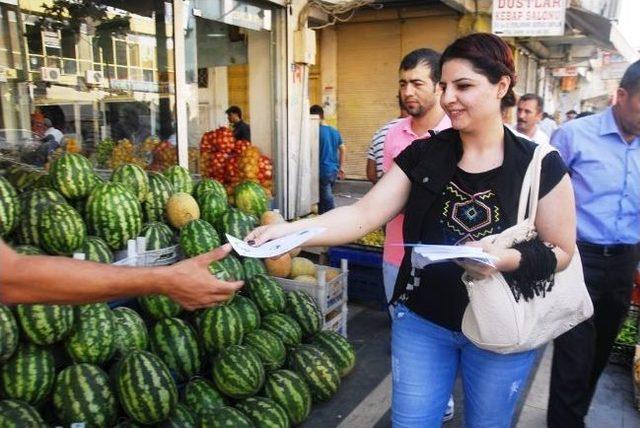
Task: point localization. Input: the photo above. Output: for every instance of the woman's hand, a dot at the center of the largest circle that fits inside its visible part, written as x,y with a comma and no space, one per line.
508,260
262,234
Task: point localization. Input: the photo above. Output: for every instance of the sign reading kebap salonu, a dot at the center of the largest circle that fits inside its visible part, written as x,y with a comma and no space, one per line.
518,18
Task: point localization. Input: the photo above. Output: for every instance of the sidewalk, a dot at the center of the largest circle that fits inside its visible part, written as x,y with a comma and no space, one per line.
364,398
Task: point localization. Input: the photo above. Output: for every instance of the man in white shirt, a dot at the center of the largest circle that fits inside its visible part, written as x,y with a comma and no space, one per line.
55,133
529,114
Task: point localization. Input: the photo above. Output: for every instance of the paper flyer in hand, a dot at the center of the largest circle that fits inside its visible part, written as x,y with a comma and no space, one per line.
424,255
276,247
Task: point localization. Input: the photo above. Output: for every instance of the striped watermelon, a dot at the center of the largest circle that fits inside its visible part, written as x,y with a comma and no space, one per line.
32,205
304,309
248,312
113,214
221,326
44,180
93,337
264,412
200,395
338,348
72,175
130,331
133,178
213,206
62,229
317,369
147,392
237,224
45,324
82,394
181,417
291,392
207,185
283,326
159,306
160,190
225,417
29,374
176,344
8,333
26,180
158,235
28,250
198,237
9,207
251,198
268,346
267,294
238,372
18,414
96,250
227,269
179,178
253,267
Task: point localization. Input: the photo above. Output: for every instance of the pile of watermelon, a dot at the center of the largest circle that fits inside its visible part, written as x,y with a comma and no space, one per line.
232,162
260,359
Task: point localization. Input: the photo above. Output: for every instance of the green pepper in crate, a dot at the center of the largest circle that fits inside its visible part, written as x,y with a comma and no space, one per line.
629,332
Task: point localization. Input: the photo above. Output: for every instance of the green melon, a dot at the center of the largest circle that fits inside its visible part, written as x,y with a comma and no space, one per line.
133,178
62,229
18,414
220,327
198,237
268,346
45,324
267,294
251,198
96,250
72,175
264,412
158,235
32,205
305,310
225,417
9,207
29,374
28,250
93,337
130,331
8,333
114,215
213,206
160,190
236,223
238,372
179,178
176,344
253,267
283,326
207,185
338,348
248,312
159,306
82,393
317,369
290,391
182,417
201,395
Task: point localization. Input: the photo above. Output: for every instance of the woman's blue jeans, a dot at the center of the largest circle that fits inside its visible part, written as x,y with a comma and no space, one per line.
426,359
326,202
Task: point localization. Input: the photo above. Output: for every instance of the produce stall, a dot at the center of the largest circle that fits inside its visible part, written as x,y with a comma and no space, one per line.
264,357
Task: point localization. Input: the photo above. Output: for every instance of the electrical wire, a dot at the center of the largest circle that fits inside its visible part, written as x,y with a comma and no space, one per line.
338,13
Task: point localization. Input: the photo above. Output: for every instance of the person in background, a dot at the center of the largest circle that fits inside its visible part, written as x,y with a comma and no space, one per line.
375,153
455,188
52,133
602,152
529,114
61,280
241,129
548,125
584,114
331,159
570,115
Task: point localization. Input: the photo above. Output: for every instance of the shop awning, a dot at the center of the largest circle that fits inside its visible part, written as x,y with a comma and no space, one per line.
602,30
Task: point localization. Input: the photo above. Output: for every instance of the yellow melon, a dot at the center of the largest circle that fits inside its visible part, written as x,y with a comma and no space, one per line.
280,267
181,208
302,266
306,278
271,217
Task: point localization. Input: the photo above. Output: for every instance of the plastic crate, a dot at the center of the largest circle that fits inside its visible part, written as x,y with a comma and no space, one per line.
365,274
623,353
329,295
337,321
136,254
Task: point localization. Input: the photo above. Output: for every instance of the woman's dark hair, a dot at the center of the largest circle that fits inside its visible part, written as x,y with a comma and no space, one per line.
489,55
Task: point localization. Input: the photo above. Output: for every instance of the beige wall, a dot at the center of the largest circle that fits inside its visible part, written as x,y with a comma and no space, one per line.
368,55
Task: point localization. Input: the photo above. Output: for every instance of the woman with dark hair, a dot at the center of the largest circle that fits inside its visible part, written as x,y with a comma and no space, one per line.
460,186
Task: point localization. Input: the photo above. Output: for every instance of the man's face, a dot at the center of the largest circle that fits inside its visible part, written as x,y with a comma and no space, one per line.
233,118
417,92
628,113
571,116
528,116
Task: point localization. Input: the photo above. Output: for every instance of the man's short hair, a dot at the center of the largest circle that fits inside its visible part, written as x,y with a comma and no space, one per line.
47,122
533,97
316,109
424,56
571,112
234,110
631,78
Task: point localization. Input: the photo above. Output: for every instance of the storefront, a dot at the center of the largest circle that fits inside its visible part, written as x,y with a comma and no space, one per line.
115,81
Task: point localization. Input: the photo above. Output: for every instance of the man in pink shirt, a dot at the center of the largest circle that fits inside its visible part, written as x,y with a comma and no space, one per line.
420,96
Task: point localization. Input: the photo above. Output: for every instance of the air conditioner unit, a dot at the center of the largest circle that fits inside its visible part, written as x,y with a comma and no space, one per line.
50,74
94,77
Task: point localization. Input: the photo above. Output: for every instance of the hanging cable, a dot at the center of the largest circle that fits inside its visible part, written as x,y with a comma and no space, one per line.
341,12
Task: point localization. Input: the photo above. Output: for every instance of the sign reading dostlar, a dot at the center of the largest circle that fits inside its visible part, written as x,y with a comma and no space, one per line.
512,18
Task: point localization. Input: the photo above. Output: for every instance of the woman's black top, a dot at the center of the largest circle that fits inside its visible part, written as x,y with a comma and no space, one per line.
467,207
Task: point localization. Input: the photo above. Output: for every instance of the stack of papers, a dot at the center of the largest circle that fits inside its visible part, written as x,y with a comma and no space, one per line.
276,247
424,255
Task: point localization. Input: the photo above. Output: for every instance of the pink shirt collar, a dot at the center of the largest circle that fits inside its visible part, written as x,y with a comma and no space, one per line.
405,123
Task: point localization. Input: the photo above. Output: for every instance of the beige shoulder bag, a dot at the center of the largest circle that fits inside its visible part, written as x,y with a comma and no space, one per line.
494,320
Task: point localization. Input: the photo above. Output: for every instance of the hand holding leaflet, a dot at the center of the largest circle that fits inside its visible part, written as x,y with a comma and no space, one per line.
424,255
276,247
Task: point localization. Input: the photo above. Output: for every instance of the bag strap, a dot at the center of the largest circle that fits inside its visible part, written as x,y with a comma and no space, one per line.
530,191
